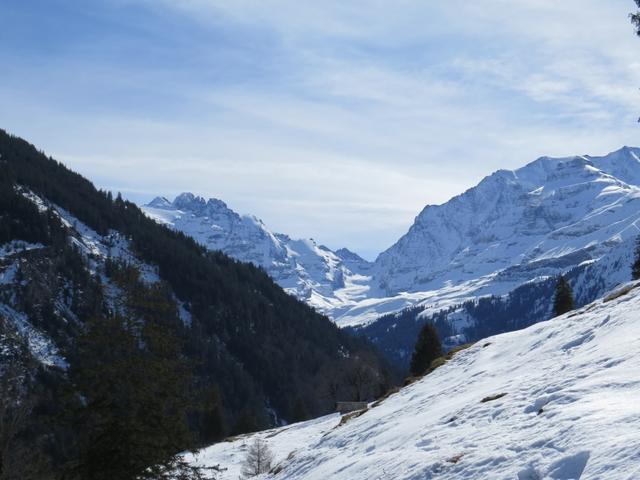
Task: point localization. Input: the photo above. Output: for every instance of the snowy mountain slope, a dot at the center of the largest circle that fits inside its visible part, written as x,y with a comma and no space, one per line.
476,318
93,247
557,400
516,226
550,213
229,455
312,272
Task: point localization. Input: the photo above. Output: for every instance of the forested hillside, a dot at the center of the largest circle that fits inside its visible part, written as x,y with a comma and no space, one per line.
120,337
394,334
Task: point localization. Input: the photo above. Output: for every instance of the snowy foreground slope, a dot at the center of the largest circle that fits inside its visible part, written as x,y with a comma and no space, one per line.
569,410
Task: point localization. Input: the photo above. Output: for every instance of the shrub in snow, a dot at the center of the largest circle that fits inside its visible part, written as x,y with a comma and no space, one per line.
258,460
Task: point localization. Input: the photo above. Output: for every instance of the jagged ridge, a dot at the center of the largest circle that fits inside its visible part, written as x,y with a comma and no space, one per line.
312,272
516,226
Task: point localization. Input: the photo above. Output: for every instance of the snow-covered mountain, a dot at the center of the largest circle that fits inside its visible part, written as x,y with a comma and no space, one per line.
557,400
553,212
324,278
514,227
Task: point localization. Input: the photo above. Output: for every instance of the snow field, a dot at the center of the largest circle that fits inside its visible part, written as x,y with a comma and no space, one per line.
558,400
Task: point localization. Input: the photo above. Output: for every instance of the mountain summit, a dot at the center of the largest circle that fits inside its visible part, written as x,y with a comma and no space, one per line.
312,272
514,227
548,214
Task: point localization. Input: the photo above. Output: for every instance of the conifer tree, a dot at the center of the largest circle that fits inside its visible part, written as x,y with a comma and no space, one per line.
213,425
635,18
635,268
427,349
563,298
135,392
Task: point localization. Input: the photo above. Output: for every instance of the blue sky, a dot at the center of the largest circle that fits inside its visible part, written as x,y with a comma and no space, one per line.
337,120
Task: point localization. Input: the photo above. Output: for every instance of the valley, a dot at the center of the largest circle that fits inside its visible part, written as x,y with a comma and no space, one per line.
514,231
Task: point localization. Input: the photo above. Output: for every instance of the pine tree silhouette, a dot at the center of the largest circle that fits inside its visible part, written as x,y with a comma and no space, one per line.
427,349
635,268
563,299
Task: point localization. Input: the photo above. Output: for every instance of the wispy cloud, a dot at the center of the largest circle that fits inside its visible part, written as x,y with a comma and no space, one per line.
335,120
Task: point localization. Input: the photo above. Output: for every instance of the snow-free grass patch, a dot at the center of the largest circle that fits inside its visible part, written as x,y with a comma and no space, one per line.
350,416
491,398
438,362
620,293
386,395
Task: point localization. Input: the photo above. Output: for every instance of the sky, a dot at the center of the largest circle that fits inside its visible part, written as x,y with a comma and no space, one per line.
335,120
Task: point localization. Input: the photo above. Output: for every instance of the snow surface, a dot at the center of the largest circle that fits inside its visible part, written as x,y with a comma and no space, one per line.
229,455
17,246
513,227
568,408
40,345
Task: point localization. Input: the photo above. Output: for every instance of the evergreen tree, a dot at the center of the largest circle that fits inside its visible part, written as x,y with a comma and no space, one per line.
22,455
427,349
133,421
635,18
212,417
563,298
635,268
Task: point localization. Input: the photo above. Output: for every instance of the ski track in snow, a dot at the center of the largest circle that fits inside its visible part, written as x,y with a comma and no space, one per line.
570,410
